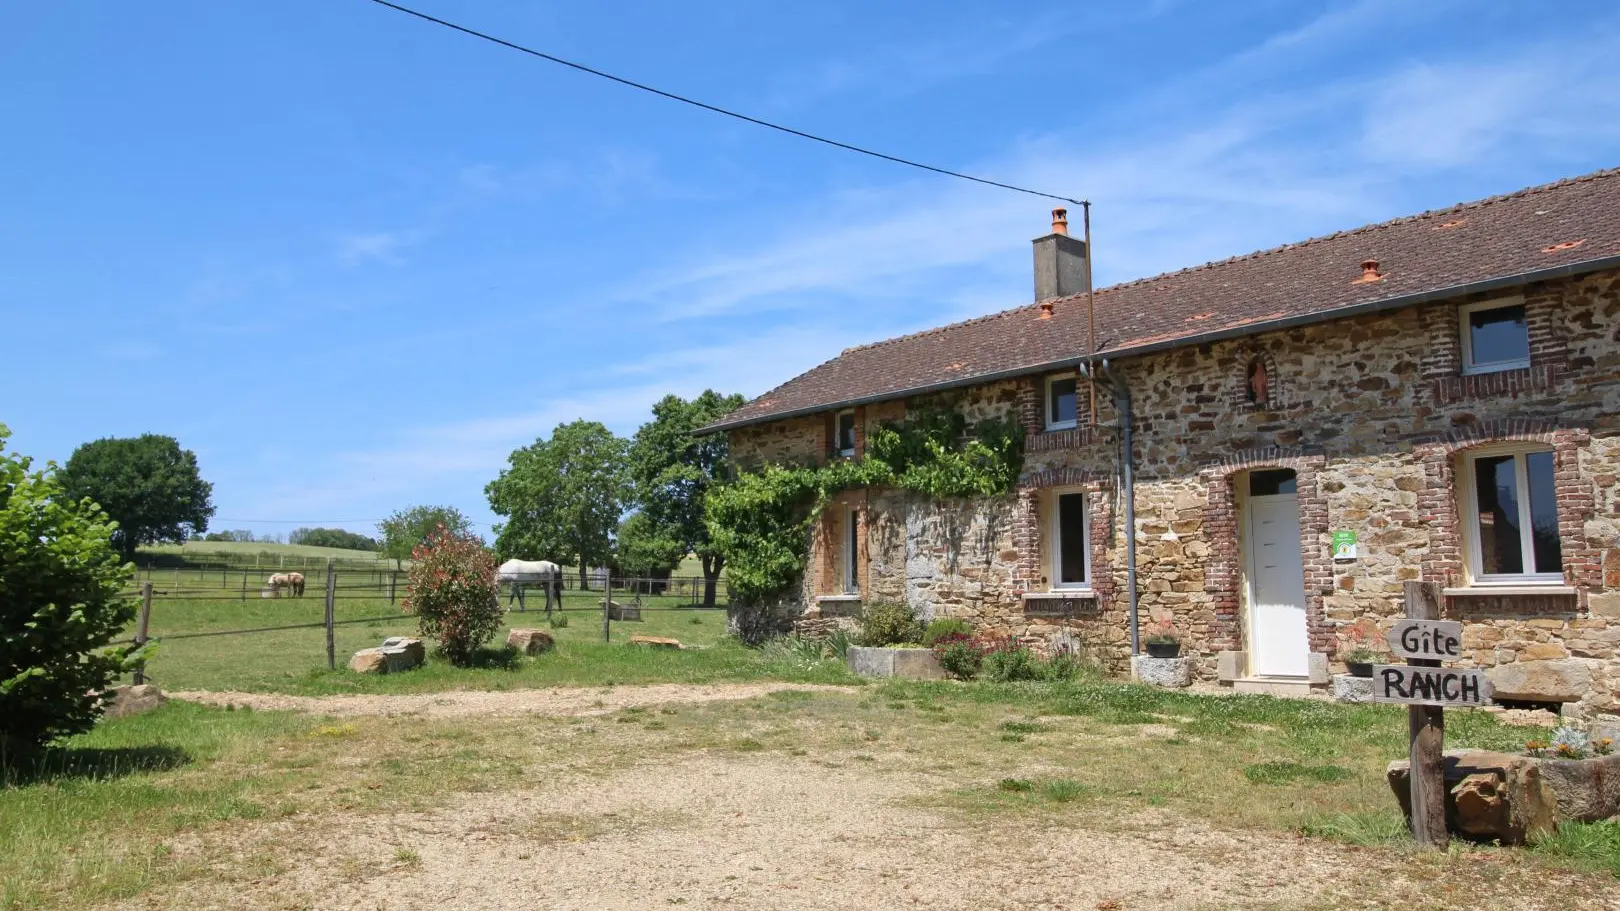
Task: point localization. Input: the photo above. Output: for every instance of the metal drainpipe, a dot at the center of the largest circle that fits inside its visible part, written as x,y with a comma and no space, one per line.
1122,403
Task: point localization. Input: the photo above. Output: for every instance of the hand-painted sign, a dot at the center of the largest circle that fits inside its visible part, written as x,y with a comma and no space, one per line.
1344,545
1435,640
1441,686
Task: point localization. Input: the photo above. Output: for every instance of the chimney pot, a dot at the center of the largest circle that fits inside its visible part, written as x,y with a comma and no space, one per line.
1369,268
1060,221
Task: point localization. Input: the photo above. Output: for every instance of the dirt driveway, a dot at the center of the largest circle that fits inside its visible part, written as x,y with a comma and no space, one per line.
705,826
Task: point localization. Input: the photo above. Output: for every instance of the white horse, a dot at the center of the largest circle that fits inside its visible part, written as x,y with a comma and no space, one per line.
518,573
293,583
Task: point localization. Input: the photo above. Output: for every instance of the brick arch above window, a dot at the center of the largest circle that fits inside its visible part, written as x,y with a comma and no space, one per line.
1438,500
1064,477
1244,395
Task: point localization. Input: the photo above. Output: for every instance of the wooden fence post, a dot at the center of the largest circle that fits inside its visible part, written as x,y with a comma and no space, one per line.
393,577
141,627
331,598
1426,727
607,602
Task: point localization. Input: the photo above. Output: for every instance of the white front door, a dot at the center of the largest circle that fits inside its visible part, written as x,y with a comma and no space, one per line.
1278,645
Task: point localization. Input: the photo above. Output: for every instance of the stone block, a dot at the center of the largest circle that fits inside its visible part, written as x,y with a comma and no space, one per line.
369,661
1230,666
530,641
133,700
918,663
1346,688
656,642
870,662
1604,605
1541,681
403,653
895,662
1165,672
1317,664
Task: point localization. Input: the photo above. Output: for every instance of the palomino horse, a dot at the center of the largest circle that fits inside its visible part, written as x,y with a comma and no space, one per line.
518,573
292,583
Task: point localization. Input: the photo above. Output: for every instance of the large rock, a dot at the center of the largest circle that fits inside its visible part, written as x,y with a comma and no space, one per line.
1512,798
617,611
1349,688
403,653
1541,681
133,700
655,642
530,641
369,661
1172,673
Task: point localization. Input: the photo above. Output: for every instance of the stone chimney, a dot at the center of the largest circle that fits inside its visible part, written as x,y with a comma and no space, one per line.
1060,261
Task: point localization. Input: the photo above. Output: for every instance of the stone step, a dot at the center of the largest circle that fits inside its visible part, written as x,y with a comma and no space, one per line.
1273,686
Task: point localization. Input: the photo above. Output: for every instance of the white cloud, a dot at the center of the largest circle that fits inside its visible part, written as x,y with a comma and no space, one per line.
377,246
1456,114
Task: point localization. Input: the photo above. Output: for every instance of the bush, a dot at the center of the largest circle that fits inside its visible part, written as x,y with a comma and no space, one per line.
1006,662
946,627
60,610
888,623
960,656
453,591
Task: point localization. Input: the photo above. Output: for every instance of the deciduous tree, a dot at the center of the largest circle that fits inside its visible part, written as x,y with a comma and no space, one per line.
562,497
672,471
407,529
147,484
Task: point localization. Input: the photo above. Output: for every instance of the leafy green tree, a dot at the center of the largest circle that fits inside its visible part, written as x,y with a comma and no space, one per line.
672,471
642,552
407,528
147,484
60,610
332,537
562,498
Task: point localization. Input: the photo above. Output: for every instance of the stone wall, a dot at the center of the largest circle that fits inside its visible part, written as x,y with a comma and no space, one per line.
1371,412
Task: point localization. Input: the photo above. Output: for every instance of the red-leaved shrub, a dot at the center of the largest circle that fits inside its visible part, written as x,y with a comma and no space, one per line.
453,592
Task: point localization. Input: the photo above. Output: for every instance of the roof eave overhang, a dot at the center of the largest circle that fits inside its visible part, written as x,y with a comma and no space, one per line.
1484,286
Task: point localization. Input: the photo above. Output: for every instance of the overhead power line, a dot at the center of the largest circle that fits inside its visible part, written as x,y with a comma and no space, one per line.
716,109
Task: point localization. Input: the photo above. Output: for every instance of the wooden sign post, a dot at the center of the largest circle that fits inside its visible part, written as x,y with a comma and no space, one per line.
1424,685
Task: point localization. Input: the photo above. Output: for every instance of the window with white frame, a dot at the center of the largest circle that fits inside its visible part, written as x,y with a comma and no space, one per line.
1062,402
1495,335
852,552
1069,537
846,433
1510,513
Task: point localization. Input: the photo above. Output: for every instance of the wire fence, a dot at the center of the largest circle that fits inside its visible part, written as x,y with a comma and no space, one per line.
612,599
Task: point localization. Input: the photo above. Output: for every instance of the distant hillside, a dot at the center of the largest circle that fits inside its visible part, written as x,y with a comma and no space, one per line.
252,553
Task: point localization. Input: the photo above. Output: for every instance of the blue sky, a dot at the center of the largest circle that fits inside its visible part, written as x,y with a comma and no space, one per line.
354,260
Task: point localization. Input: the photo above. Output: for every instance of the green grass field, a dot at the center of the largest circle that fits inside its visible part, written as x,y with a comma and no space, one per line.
190,603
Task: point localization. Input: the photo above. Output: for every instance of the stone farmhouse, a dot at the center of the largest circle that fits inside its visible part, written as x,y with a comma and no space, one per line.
1297,432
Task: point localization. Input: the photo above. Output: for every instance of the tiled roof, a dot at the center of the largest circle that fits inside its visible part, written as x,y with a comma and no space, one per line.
1566,226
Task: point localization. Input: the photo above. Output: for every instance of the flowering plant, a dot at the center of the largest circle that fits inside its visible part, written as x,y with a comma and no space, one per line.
1569,743
1359,643
1163,632
452,590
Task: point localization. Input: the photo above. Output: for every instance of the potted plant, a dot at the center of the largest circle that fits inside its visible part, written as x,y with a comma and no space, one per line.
1360,661
1162,640
1358,655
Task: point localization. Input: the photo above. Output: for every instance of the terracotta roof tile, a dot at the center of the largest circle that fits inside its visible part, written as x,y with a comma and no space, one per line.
1559,224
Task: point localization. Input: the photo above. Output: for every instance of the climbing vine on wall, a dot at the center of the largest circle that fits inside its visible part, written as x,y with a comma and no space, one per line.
761,520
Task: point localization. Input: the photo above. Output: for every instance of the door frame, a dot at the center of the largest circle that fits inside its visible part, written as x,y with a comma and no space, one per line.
1247,545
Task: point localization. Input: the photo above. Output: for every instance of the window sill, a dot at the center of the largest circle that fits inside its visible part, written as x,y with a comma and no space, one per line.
1500,367
1499,591
821,598
1060,594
